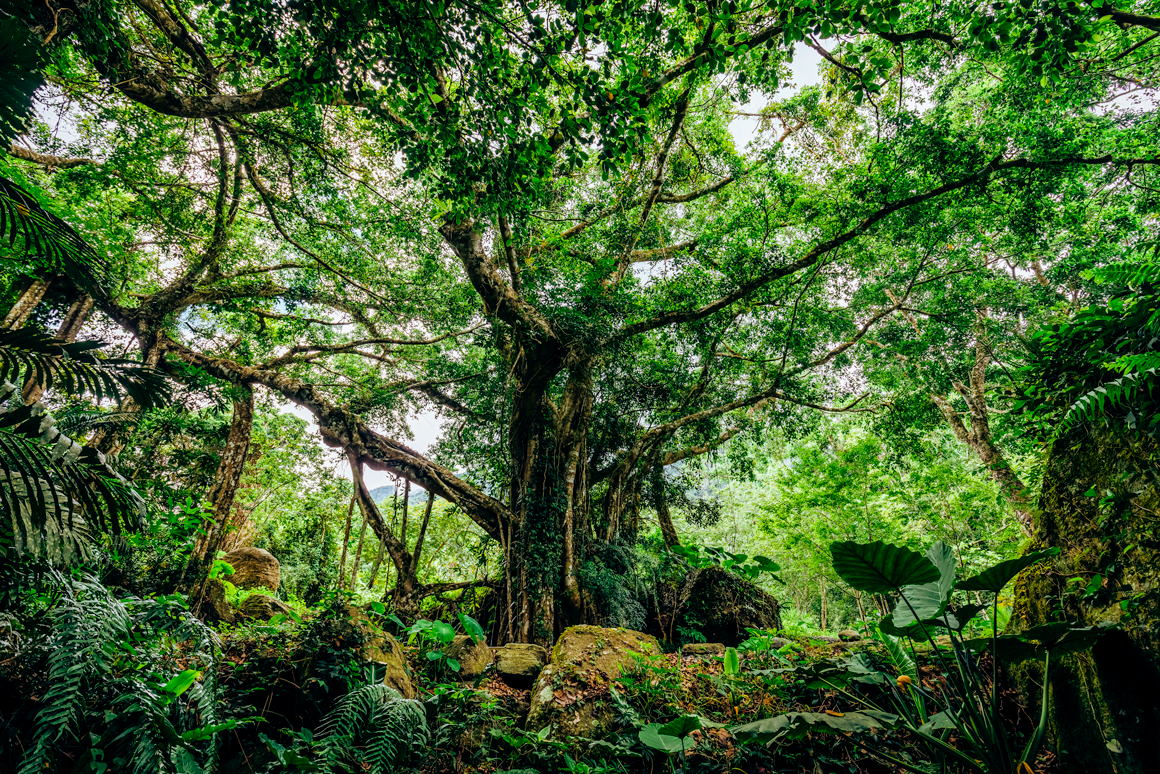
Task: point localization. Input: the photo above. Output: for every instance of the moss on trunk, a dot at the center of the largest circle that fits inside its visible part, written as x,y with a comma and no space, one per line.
1103,703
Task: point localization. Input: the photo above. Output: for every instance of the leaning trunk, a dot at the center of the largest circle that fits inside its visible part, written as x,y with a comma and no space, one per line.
22,309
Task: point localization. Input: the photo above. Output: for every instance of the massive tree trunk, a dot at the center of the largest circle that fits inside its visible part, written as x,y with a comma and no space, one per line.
1103,706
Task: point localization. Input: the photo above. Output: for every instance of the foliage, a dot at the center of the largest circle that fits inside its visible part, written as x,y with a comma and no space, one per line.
1100,365
968,706
114,669
48,478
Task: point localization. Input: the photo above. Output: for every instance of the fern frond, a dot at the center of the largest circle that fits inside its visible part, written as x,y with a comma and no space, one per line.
375,726
1128,273
1117,394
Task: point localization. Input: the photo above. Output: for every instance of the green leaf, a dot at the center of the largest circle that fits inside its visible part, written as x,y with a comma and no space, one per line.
995,578
881,568
472,627
682,726
732,662
182,682
795,725
928,600
650,736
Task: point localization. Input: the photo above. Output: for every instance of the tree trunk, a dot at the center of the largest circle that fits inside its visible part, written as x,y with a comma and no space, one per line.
77,315
227,478
25,304
1102,706
979,439
661,503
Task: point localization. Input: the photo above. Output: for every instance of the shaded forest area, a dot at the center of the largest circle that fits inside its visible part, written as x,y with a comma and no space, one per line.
788,421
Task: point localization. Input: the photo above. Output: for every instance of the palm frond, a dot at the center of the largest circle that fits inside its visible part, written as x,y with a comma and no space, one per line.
48,480
19,77
42,240
75,368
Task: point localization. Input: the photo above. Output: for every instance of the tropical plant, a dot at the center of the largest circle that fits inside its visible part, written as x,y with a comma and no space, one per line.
960,726
57,491
437,635
374,729
116,667
1103,364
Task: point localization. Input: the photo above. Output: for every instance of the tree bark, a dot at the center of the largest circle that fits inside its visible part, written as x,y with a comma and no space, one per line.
1107,693
661,504
25,304
77,315
979,439
228,477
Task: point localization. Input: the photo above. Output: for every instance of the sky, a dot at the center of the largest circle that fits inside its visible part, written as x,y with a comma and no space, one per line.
426,426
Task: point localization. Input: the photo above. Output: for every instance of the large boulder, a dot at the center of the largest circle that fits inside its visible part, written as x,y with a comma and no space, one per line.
519,664
720,605
263,607
382,650
571,692
473,657
253,568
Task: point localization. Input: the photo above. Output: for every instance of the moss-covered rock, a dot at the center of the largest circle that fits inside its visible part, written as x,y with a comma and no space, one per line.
718,604
572,690
262,606
382,650
519,664
254,568
473,657
1103,709
703,649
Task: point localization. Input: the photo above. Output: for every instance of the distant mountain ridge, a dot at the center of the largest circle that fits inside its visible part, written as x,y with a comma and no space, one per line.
381,494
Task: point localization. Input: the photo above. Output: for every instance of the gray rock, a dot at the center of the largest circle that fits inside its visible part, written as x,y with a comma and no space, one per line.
473,657
849,635
520,664
585,659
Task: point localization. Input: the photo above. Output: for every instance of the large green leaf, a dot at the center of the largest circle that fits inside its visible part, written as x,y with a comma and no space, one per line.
928,600
795,725
881,568
898,655
43,243
651,736
1059,638
681,726
995,578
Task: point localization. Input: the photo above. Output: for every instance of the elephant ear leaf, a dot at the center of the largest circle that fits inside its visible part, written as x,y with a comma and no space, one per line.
795,725
925,601
881,568
995,578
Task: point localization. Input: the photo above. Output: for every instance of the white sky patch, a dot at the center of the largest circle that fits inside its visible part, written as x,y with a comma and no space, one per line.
804,72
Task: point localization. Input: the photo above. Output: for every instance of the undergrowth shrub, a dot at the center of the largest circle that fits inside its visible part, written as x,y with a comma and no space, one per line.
109,673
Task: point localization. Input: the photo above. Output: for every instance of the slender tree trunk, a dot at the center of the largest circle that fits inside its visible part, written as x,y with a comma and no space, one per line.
362,534
77,315
346,537
25,304
226,481
661,502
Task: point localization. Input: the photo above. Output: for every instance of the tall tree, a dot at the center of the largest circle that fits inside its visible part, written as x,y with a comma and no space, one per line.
535,220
